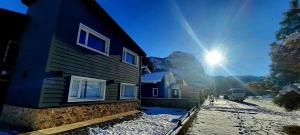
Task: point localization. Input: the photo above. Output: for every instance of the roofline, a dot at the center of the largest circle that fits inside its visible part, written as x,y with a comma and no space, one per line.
96,5
103,12
14,13
146,67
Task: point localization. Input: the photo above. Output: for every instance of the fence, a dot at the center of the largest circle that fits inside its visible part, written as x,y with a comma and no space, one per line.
183,123
175,103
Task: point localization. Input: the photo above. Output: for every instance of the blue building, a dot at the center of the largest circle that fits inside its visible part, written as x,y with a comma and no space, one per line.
159,85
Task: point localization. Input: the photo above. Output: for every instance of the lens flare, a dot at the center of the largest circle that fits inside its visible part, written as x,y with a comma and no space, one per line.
214,57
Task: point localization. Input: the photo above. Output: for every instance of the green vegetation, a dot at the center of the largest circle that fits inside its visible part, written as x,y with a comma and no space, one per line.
285,56
290,22
292,130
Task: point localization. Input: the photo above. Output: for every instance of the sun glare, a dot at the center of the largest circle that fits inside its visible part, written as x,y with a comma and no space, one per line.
214,57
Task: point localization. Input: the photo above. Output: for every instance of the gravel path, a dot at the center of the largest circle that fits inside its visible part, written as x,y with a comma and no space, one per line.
252,117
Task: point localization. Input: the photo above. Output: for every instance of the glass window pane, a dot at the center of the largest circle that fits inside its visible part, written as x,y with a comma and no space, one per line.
75,88
94,89
128,91
96,43
130,58
82,37
83,89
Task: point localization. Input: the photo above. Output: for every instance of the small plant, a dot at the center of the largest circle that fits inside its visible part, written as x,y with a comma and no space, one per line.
292,130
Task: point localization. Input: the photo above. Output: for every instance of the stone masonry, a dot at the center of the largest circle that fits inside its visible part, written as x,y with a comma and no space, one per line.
35,119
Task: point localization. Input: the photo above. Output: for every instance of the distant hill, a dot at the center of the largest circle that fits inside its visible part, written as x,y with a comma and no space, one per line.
184,66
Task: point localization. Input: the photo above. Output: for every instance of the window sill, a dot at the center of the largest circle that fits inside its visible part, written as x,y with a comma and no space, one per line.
98,102
84,100
94,50
128,99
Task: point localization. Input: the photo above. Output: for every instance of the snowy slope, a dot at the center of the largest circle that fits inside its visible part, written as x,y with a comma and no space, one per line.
253,117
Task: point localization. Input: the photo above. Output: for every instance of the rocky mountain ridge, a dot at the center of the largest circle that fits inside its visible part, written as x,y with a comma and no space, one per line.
184,66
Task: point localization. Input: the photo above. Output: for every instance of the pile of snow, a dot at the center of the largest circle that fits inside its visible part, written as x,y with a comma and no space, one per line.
289,88
293,37
155,120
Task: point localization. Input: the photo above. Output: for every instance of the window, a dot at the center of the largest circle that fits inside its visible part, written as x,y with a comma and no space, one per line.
92,40
175,93
128,91
129,57
86,89
155,92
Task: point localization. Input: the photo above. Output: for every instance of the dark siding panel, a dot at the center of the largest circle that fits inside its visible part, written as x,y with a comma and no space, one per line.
76,60
147,90
72,59
33,54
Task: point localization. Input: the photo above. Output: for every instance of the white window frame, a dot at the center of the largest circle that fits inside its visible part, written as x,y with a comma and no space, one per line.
124,54
78,99
121,89
89,31
154,92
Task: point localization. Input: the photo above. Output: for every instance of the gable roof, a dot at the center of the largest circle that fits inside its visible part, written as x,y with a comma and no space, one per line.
153,77
100,11
145,68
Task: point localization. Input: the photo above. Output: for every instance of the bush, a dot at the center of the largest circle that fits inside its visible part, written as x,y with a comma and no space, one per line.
292,130
290,101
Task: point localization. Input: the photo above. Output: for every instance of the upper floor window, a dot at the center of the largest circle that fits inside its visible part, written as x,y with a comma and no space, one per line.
128,91
90,39
86,89
130,57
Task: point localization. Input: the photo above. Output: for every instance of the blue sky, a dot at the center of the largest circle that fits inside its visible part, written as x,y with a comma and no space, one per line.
242,29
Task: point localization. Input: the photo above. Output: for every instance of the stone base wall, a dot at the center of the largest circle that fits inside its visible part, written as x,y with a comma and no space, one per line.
35,119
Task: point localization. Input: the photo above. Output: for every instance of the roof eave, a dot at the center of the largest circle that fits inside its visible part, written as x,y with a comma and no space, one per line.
97,6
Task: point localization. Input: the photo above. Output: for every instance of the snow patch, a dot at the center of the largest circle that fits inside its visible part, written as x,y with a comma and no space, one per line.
254,116
289,88
155,120
293,37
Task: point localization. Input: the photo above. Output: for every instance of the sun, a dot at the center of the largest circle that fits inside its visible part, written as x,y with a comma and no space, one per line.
214,57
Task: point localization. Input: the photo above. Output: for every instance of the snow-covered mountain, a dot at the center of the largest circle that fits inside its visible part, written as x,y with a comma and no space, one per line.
184,66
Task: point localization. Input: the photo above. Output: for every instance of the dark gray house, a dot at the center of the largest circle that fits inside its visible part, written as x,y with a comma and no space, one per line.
12,24
75,63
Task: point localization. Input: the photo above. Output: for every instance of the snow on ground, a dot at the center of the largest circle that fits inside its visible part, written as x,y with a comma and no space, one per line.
251,117
154,121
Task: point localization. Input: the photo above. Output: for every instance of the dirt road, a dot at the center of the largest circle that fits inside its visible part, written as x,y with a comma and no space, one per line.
256,117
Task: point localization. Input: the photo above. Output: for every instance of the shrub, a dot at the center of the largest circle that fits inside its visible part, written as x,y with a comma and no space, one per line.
292,130
290,101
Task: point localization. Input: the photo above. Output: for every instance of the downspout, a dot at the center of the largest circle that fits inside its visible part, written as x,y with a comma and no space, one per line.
140,80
